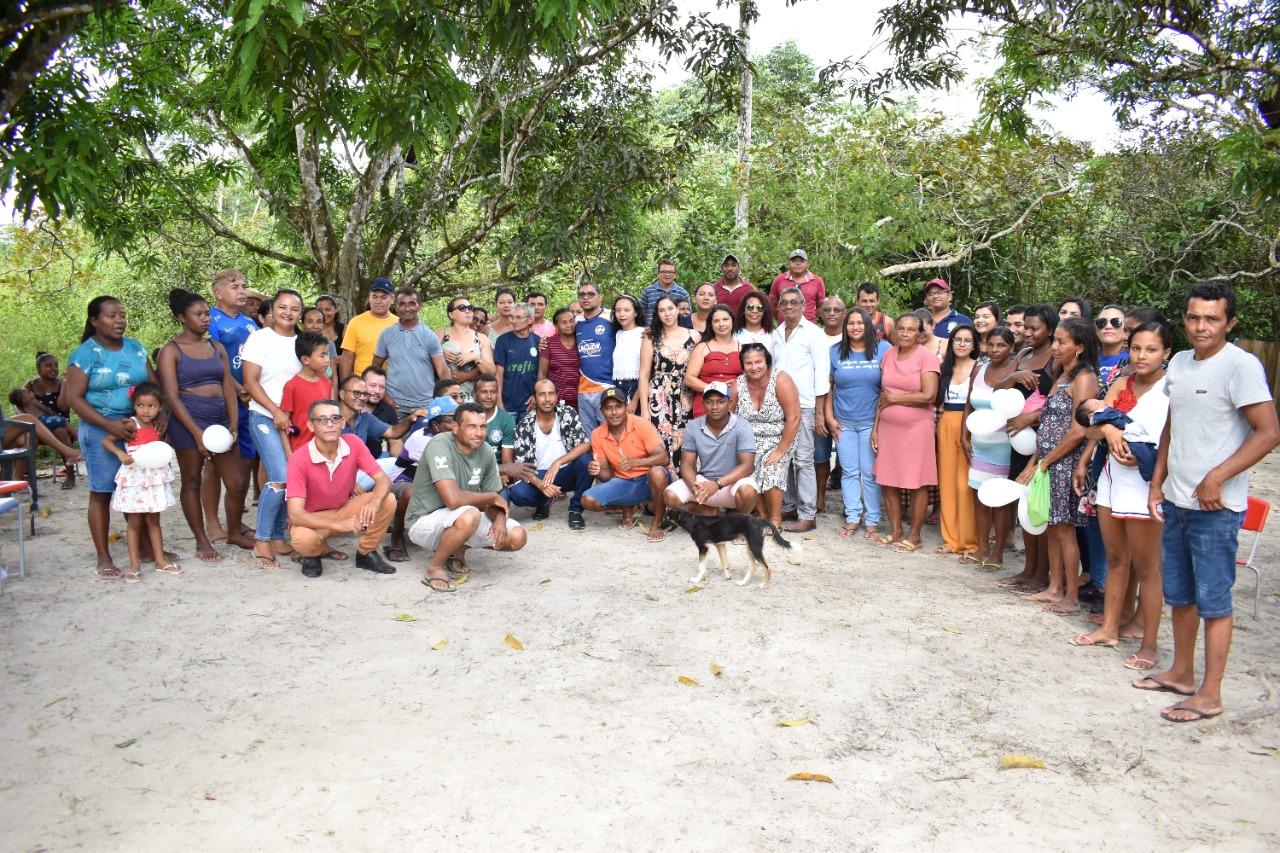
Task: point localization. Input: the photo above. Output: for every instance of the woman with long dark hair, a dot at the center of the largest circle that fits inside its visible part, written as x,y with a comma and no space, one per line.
558,357
333,325
989,454
715,358
755,321
958,533
664,360
767,399
100,374
1059,444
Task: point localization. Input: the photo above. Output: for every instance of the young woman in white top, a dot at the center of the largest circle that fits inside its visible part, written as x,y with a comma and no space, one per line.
627,343
269,362
958,531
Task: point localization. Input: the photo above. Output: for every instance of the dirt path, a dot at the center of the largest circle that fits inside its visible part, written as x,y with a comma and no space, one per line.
229,709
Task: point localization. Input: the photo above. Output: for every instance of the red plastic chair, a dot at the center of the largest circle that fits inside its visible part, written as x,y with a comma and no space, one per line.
1255,519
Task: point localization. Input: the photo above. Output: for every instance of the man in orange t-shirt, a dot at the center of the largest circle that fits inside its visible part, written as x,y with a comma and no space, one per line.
629,462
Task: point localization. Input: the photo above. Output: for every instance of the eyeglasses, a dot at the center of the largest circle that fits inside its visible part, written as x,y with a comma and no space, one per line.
584,293
362,394
756,309
791,302
1115,322
459,396
331,420
832,310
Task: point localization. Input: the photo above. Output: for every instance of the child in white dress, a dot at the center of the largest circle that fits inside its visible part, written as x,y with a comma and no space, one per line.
142,493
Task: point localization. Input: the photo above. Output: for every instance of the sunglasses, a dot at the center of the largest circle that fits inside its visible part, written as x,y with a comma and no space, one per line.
459,397
463,308
1114,322
362,394
331,420
584,293
758,309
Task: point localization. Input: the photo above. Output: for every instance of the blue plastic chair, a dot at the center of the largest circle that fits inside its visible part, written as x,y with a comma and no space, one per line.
11,505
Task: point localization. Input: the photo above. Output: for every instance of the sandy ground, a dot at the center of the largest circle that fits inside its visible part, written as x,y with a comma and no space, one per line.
233,709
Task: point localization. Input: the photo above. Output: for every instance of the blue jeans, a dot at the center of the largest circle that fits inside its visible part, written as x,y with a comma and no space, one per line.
619,492
272,513
573,477
589,411
1094,553
858,486
1199,551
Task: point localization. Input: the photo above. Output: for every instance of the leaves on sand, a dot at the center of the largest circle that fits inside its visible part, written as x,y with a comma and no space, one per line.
692,589
1020,762
127,743
54,701
715,669
514,643
950,630
810,777
537,526
114,537
544,580
440,645
405,617
801,721
461,579
687,681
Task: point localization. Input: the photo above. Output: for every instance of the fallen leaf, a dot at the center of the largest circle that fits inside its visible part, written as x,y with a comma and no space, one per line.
405,617
812,536
127,743
1020,762
802,721
207,797
54,701
538,526
45,512
461,579
809,777
715,669
440,645
514,643
692,589
114,537
544,580
952,630
687,681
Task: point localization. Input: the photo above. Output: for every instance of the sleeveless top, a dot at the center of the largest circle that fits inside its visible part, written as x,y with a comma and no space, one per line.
194,372
142,435
50,400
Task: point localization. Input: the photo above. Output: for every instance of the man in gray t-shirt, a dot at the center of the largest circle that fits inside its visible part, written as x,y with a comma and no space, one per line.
717,456
411,354
1222,422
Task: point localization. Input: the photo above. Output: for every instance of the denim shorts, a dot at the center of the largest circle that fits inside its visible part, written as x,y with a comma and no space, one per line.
1199,550
619,492
101,463
822,445
52,421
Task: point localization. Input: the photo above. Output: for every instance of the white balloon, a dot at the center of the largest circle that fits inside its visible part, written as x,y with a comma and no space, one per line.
155,454
1000,491
1024,441
1008,402
1026,522
216,438
984,422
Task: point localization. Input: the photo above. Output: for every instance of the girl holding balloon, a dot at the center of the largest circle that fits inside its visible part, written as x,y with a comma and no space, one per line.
196,377
142,481
988,450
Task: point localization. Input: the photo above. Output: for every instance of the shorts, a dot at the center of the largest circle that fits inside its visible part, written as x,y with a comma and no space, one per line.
619,492
822,445
52,421
1199,550
100,463
205,411
1123,491
723,499
426,531
244,440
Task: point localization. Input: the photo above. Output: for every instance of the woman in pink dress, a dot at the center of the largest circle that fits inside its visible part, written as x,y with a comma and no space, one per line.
903,435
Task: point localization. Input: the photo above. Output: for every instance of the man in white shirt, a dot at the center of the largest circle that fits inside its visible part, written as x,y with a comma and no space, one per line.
553,453
800,349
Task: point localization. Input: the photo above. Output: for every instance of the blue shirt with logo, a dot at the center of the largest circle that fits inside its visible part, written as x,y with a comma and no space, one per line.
595,350
231,332
519,360
855,384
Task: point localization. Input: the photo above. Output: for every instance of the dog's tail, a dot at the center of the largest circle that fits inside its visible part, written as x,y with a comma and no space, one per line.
794,547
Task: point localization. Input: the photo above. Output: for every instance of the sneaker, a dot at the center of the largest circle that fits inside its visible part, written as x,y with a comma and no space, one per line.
575,521
373,562
311,567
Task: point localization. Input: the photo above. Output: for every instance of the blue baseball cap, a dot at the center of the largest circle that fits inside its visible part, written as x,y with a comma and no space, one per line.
440,407
381,283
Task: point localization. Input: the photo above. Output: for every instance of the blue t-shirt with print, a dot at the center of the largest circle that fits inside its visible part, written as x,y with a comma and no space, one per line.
112,374
595,349
518,358
231,332
855,382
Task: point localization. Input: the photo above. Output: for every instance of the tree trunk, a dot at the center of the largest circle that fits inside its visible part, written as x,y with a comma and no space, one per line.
744,127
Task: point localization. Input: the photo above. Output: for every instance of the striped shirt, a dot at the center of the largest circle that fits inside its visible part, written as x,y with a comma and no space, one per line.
651,294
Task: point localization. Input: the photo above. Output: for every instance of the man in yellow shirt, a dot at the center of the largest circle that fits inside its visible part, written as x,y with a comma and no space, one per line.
361,336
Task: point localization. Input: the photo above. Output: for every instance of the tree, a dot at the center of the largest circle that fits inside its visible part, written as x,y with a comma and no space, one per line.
431,142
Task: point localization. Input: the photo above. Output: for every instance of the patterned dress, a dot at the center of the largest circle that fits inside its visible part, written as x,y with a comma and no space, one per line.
767,423
1055,423
666,384
138,489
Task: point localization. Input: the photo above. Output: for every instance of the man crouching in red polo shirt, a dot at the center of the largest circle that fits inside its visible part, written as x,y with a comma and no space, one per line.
320,482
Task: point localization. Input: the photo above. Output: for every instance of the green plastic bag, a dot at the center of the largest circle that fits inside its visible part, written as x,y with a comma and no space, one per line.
1038,497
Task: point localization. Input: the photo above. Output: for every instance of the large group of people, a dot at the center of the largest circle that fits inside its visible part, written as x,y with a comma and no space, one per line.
730,398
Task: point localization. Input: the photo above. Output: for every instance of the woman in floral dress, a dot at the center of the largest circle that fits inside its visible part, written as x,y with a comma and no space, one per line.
769,401
664,355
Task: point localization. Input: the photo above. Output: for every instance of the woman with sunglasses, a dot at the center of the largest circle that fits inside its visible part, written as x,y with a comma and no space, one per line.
467,352
755,321
1112,344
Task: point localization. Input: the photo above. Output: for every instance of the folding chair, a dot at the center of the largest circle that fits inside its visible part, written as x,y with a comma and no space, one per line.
10,505
27,455
1255,519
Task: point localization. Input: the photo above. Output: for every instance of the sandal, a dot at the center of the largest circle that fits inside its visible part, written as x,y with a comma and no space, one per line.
627,524
987,566
885,540
849,528
110,573
1140,664
871,535
132,576
430,583
335,554
651,538
266,562
456,568
970,557
170,569
906,547
393,553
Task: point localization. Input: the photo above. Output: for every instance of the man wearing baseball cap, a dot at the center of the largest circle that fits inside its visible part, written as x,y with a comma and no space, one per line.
798,275
629,462
732,288
361,336
937,298
717,457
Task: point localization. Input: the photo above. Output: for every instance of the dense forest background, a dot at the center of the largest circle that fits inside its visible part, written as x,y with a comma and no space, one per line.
608,177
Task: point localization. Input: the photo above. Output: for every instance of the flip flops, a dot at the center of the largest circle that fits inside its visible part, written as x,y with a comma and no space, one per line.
430,583
1083,641
1161,687
1140,664
1198,715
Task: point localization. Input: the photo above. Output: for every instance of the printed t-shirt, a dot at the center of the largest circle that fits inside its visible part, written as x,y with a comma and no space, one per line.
112,374
856,383
500,431
361,337
442,460
519,360
274,354
231,332
639,439
595,354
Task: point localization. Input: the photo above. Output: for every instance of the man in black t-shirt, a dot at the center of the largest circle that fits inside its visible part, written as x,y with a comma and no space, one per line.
375,381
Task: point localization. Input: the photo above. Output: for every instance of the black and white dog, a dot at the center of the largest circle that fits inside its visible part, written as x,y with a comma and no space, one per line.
720,530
